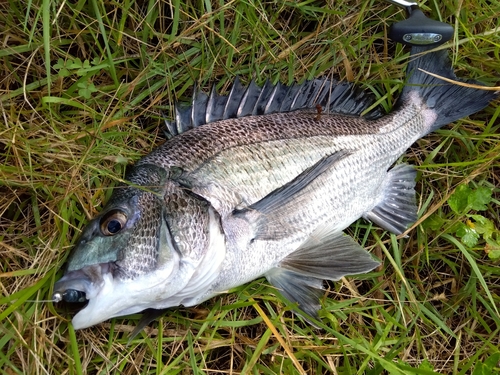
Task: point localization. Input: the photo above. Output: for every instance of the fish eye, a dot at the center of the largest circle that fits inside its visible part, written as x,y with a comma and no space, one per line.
113,222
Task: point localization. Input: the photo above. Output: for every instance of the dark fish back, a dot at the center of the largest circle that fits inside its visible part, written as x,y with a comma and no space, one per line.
193,148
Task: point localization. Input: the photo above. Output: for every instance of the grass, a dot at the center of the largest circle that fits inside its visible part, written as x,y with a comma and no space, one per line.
82,95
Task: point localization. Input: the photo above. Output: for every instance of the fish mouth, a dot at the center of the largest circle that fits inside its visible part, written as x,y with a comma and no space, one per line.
107,295
72,288
80,286
87,286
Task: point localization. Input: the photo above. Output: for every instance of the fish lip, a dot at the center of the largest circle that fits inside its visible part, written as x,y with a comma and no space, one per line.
117,296
92,281
88,280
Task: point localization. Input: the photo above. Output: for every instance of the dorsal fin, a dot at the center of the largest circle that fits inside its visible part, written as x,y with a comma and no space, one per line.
334,97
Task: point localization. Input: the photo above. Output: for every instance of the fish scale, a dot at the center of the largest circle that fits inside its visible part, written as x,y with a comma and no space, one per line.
268,164
192,149
260,183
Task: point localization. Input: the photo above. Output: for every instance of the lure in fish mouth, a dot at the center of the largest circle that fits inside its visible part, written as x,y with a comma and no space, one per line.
261,182
84,284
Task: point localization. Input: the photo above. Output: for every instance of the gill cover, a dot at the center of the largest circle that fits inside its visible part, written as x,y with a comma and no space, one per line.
121,242
143,250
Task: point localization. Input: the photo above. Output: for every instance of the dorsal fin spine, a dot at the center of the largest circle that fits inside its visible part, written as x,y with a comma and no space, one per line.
333,96
233,100
198,107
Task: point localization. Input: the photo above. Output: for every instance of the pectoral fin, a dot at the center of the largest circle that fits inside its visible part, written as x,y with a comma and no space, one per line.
397,208
269,213
324,255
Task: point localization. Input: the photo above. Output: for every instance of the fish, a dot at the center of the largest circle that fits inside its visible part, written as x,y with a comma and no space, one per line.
261,182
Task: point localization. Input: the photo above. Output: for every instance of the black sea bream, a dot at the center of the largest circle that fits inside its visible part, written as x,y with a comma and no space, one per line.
261,182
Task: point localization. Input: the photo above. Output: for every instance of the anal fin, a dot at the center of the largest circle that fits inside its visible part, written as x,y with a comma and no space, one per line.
397,208
297,288
329,256
325,255
147,317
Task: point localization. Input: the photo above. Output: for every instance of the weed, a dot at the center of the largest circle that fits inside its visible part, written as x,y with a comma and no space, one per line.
82,94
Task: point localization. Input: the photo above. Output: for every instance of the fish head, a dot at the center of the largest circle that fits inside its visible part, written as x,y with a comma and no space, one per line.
138,253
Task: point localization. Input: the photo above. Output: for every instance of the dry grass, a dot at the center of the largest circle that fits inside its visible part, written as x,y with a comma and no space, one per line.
81,96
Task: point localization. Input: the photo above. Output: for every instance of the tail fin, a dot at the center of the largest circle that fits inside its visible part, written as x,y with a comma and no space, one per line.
450,101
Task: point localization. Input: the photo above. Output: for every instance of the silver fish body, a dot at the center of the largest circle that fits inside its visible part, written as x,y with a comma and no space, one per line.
259,183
